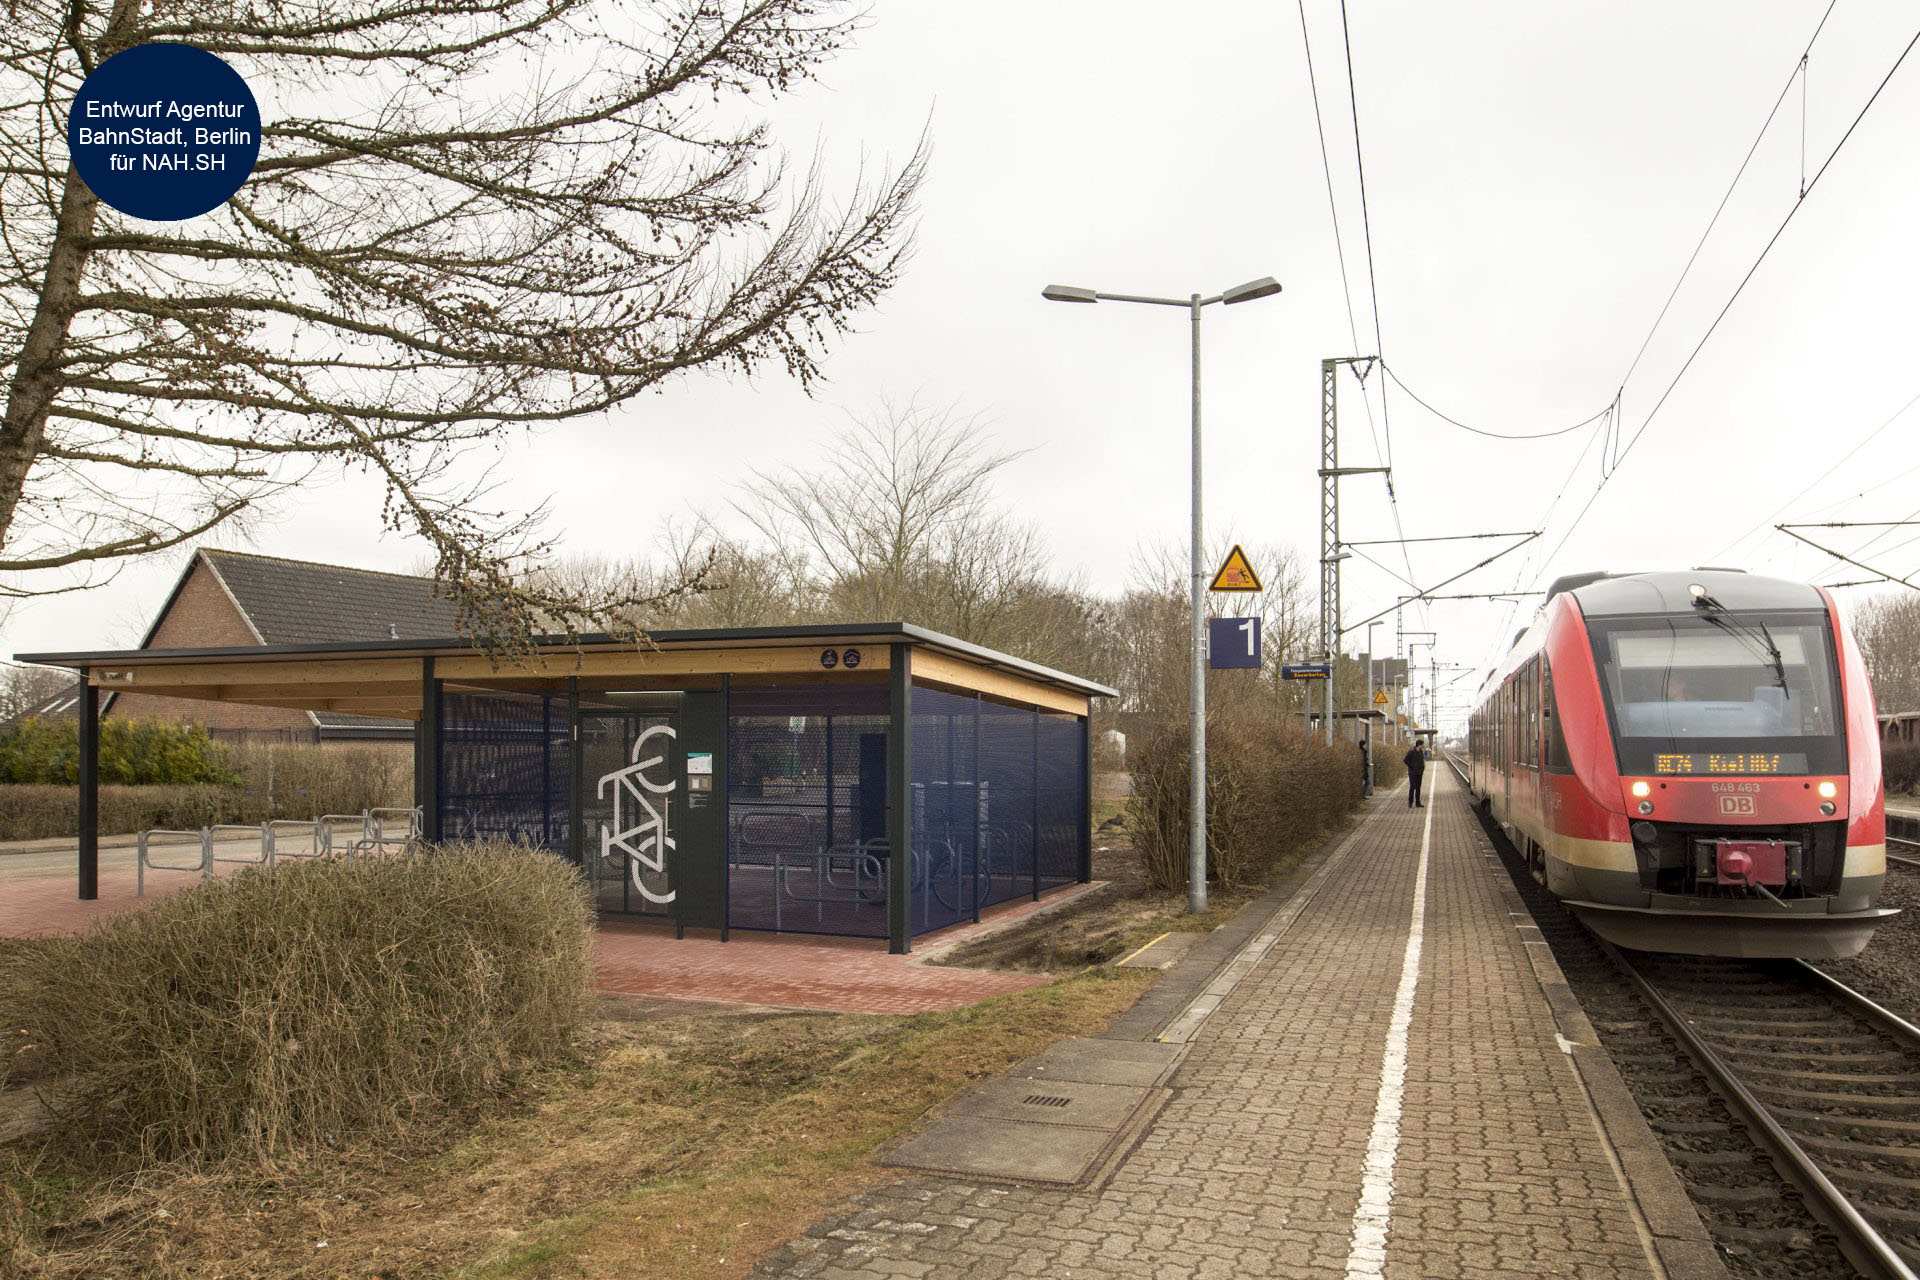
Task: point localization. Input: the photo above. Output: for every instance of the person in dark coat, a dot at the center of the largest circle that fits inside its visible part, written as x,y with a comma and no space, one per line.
1366,771
1416,762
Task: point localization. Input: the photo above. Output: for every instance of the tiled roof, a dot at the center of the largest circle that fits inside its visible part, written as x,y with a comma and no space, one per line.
298,602
57,706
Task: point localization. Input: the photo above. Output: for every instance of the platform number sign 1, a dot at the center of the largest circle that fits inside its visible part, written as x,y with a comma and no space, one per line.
1233,643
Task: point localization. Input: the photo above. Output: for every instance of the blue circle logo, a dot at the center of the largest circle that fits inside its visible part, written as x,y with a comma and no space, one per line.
164,132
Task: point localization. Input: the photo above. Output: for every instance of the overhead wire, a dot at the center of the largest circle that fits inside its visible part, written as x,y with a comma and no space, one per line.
1767,249
1373,295
1868,439
1799,73
1415,396
1333,214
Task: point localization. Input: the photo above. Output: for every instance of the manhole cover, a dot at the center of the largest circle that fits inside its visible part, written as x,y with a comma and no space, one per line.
1045,1100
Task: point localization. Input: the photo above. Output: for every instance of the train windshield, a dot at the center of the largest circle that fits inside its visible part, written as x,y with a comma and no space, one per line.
1722,693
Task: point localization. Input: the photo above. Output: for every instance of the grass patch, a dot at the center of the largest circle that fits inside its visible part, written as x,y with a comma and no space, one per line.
685,1143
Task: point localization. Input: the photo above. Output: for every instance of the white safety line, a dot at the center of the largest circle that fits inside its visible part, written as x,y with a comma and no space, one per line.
1367,1248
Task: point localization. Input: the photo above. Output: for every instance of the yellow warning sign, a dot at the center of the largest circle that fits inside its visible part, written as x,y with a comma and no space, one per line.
1235,573
1380,698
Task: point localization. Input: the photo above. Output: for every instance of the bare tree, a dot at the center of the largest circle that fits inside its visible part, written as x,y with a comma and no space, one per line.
1153,618
472,216
24,687
898,521
1888,629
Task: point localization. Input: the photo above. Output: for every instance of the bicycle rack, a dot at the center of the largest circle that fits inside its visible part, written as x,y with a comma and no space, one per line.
308,830
143,857
377,837
831,865
264,858
380,830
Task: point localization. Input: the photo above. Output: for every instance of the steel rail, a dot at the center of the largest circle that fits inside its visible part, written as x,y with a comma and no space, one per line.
1911,860
1862,1243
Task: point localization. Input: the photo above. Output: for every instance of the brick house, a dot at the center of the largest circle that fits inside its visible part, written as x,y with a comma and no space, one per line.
236,598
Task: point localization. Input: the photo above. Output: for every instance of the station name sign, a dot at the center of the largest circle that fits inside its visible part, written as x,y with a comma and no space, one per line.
1306,671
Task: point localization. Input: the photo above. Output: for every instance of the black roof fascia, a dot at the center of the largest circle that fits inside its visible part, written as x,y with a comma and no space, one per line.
879,632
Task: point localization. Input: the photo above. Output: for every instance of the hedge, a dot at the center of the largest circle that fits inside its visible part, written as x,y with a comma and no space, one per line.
132,752
1270,790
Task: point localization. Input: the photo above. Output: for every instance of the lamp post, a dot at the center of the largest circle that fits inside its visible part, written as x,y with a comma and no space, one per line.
1368,709
1265,286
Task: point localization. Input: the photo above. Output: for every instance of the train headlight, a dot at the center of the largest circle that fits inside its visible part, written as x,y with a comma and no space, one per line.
1646,806
1826,807
1642,789
1827,790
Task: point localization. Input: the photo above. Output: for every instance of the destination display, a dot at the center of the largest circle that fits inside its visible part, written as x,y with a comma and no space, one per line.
1729,762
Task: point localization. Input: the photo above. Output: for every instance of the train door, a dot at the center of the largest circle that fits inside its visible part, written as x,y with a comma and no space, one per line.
1505,757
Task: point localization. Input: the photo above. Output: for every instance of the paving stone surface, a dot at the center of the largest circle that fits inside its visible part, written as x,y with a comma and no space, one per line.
1254,1166
844,975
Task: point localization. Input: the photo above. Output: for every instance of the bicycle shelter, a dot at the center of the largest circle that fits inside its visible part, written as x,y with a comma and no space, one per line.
868,780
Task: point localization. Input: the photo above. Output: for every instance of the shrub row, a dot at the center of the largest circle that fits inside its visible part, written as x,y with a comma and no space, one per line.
1270,790
269,1012
45,812
1900,766
271,782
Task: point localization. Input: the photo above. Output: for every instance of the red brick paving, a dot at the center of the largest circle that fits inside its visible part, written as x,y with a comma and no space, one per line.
846,975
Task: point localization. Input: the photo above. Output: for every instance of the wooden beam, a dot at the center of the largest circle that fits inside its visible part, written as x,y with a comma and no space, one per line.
252,671
930,667
670,662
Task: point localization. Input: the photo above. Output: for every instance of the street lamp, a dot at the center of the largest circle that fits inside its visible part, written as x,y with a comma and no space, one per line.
1367,711
1265,286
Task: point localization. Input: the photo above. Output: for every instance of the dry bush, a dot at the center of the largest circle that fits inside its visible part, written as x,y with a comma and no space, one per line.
303,780
272,1012
1269,791
1900,766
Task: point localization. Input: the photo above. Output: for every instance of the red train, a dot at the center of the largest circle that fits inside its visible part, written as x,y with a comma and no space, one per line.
1690,761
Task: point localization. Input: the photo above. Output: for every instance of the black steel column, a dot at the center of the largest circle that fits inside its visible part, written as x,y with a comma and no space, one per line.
982,837
576,838
546,770
900,800
1086,797
722,796
89,711
1033,725
426,780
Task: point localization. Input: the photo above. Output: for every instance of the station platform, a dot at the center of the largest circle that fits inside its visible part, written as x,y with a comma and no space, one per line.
1384,1076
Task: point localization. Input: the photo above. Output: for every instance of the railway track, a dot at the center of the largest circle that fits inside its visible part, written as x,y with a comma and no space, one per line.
1903,852
1825,1081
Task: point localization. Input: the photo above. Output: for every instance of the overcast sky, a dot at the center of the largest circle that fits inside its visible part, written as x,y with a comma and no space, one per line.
1537,177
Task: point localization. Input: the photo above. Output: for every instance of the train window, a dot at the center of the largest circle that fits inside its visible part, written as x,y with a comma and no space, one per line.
1558,761
1722,693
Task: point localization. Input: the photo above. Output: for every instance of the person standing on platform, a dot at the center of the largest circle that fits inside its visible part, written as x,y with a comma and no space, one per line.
1366,771
1416,762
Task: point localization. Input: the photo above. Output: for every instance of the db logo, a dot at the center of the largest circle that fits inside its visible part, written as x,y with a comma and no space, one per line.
1737,806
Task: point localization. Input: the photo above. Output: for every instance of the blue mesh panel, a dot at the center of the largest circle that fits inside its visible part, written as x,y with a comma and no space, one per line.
949,874
1062,796
807,819
503,768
